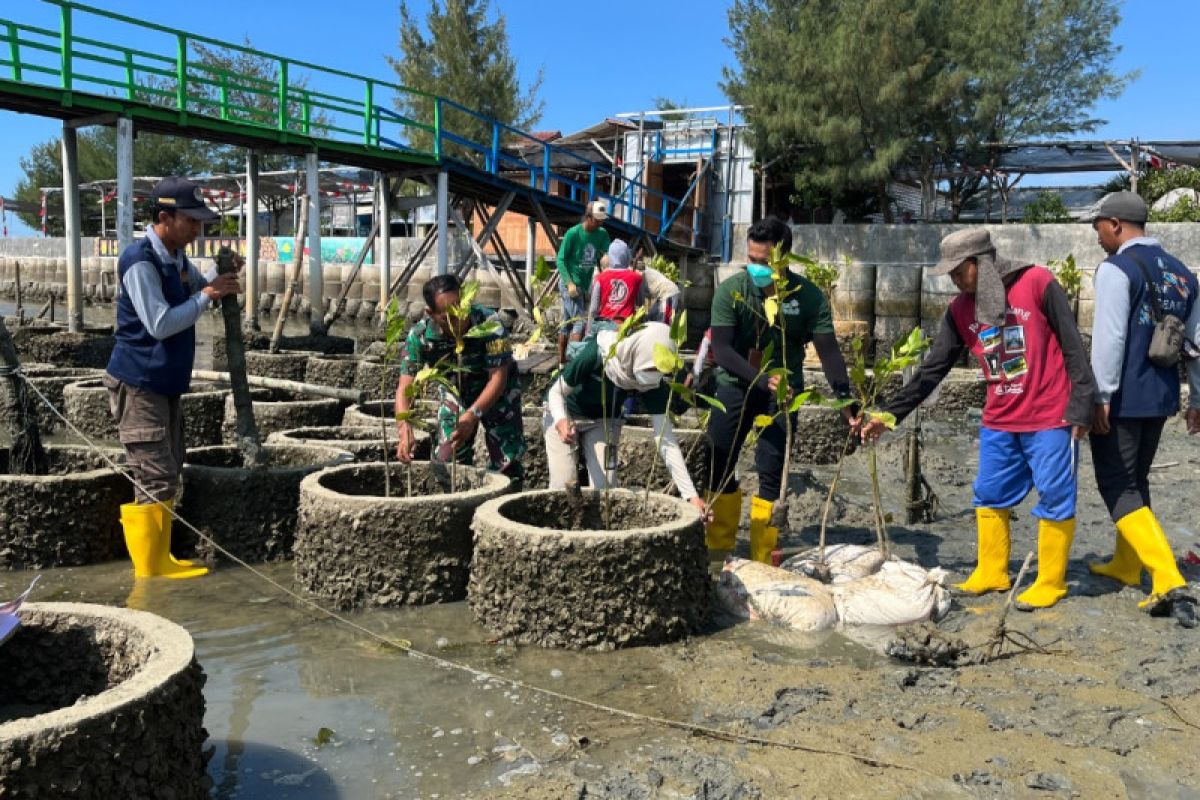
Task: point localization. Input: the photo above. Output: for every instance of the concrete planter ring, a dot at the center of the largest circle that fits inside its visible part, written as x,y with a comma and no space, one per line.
68,518
285,365
51,382
355,547
364,442
203,407
249,512
278,411
333,370
547,572
101,703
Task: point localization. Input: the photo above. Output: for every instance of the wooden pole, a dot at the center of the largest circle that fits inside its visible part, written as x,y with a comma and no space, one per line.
294,277
315,389
248,440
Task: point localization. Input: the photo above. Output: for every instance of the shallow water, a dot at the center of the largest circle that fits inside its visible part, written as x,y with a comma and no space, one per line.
402,727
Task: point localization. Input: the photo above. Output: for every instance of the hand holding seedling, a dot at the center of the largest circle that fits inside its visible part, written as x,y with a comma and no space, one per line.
702,507
406,442
464,429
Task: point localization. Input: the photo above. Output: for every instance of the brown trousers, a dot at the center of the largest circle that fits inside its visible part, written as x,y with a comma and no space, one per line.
150,427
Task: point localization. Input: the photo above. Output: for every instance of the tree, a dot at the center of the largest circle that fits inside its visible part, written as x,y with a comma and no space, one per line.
159,155
1048,206
857,94
464,58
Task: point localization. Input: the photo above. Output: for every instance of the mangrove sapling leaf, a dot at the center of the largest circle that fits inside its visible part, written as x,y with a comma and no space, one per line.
666,360
763,420
885,417
324,736
485,329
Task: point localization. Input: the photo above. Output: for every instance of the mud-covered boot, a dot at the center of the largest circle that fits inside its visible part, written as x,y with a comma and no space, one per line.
720,535
763,535
1123,567
1054,545
991,570
1148,541
148,549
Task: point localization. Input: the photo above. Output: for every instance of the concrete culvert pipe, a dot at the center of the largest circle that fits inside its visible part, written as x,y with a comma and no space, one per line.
637,455
55,345
284,365
355,547
333,370
364,442
99,703
279,411
87,408
249,512
547,572
377,379
66,518
51,382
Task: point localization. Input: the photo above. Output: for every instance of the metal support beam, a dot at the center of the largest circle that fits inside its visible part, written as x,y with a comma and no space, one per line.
316,281
443,219
484,261
70,170
250,211
489,225
384,251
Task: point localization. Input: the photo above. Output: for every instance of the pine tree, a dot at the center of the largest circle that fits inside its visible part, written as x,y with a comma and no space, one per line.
463,57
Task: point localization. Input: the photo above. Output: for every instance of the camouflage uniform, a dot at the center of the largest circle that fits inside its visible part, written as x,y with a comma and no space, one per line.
504,433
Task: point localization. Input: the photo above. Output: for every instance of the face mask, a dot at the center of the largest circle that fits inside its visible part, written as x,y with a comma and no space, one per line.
647,378
761,274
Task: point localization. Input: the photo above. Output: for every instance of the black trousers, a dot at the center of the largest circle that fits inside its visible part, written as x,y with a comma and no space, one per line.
727,431
1122,459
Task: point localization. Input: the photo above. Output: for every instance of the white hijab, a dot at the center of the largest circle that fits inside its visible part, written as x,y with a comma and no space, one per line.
634,354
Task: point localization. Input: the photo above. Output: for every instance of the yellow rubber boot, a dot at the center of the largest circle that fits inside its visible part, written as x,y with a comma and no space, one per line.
763,537
991,569
148,547
1150,544
1054,543
166,515
1124,566
720,535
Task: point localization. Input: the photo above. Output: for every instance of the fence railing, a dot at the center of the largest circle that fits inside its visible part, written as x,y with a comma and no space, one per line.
254,91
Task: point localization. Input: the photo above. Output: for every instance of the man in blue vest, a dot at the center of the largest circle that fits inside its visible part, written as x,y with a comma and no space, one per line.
160,296
1138,283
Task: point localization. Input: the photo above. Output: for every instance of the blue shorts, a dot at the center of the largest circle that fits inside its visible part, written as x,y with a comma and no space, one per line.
1010,464
574,311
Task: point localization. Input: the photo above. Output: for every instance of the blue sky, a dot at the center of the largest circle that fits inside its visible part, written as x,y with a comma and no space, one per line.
601,59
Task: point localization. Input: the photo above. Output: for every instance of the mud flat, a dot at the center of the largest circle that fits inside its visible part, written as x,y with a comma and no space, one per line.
100,702
589,570
357,547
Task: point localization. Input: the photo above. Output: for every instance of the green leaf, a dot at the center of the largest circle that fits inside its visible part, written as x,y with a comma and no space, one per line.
771,308
406,416
763,420
666,360
324,736
837,404
768,352
484,329
541,270
802,399
679,329
886,417
712,401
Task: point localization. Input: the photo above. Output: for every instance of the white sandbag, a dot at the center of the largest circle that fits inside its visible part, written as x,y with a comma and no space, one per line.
898,594
847,562
752,590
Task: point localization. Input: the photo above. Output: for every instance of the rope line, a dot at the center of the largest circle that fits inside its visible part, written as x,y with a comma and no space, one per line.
406,647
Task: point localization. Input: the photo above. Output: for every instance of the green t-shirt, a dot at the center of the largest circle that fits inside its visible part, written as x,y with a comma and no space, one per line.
426,345
579,254
592,389
738,304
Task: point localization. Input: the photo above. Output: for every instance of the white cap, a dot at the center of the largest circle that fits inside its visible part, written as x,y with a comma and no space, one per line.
598,210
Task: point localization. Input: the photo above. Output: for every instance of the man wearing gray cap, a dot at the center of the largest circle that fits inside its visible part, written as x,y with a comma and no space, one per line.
1017,321
160,296
1138,284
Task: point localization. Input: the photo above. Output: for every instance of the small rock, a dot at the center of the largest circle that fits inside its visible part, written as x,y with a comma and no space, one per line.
1047,782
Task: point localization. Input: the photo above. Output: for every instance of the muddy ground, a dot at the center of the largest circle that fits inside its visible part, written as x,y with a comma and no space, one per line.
1113,712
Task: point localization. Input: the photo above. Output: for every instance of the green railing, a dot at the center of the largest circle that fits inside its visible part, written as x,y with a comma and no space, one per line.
282,98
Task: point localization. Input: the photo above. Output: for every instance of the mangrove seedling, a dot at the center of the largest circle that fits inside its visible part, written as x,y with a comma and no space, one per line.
1069,276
